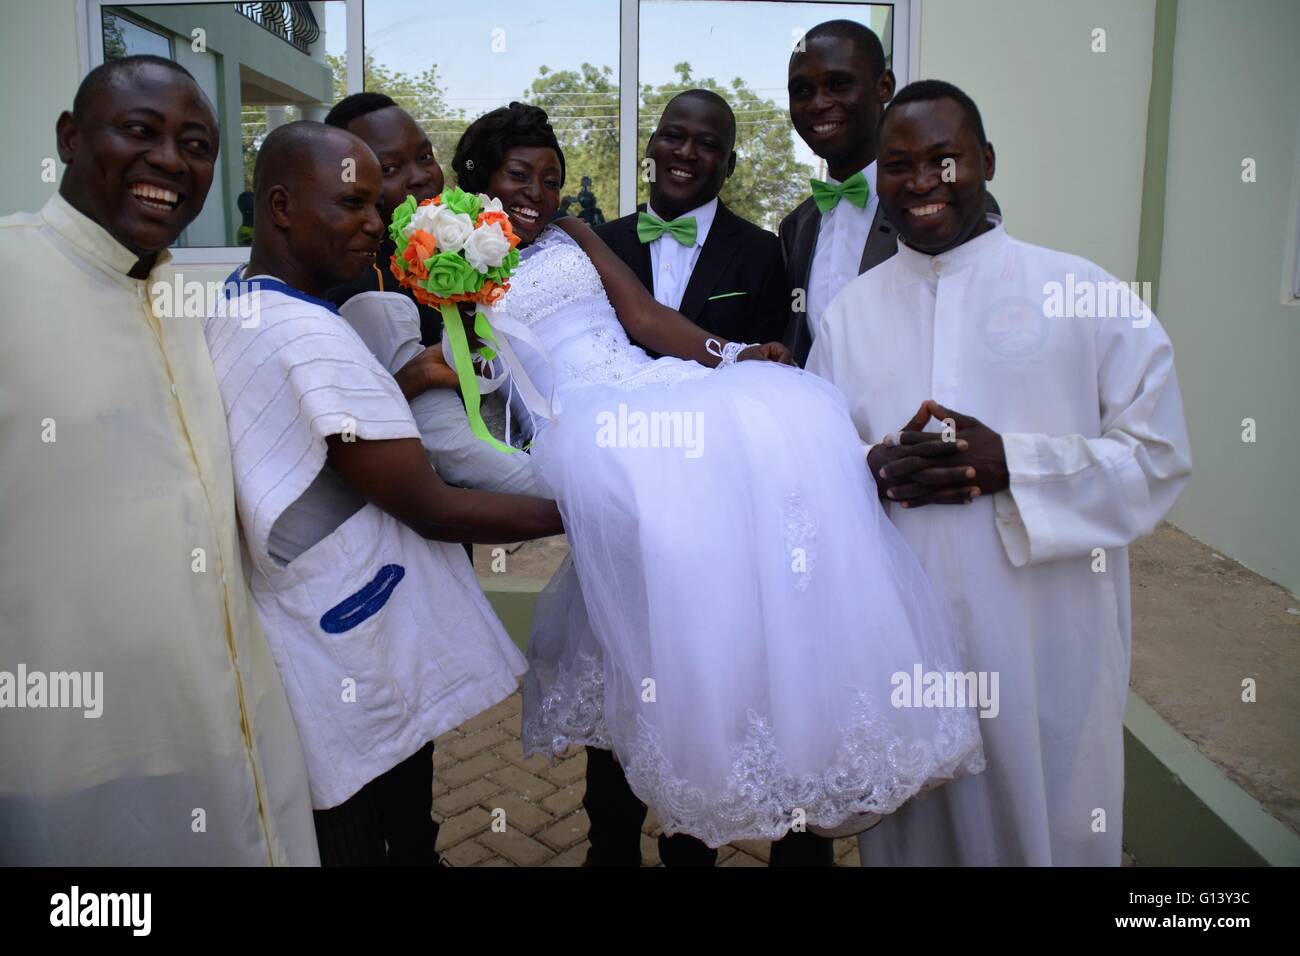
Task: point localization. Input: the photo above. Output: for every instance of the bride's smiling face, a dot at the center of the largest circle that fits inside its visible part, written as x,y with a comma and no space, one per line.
528,184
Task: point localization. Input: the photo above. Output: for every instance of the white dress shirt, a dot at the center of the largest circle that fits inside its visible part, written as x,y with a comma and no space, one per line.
672,263
838,253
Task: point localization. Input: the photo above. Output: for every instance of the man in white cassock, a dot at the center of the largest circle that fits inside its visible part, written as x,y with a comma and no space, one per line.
1058,439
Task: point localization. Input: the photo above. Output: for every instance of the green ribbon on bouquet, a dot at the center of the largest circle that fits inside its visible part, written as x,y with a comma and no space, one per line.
460,354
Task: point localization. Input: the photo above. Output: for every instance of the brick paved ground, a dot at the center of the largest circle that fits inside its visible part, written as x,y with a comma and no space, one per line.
479,769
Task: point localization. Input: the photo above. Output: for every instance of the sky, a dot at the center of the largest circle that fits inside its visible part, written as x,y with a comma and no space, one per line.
722,39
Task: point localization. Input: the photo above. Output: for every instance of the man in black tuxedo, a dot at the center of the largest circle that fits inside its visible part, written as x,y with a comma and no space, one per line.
726,275
838,86
690,251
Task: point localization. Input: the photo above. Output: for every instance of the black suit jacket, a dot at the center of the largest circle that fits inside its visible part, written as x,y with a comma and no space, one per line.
737,256
798,242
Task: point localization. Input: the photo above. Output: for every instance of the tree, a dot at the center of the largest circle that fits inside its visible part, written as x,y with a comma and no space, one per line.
768,181
583,108
583,105
421,95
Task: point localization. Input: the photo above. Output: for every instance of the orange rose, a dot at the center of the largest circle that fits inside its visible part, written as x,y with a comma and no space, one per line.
419,247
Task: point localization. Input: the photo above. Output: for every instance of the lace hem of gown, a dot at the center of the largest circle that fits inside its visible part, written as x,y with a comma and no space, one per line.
570,712
874,771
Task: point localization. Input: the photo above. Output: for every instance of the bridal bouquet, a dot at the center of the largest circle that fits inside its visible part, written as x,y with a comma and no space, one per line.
459,247
456,247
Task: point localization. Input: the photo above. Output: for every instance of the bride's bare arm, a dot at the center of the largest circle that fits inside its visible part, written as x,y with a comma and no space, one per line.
649,322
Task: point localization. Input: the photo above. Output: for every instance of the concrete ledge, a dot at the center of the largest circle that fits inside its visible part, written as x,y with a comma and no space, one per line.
1181,810
512,599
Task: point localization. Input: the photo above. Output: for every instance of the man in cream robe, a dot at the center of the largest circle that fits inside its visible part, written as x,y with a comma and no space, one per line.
142,720
1066,442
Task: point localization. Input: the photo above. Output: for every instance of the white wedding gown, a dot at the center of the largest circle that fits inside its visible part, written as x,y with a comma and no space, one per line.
744,601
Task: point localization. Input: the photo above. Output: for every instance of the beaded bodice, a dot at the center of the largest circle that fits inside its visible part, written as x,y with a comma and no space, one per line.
558,294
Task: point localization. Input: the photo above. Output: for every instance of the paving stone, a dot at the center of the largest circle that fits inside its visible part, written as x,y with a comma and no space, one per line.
470,823
519,848
740,858
497,861
846,852
567,771
493,715
512,753
649,850
466,853
564,833
462,798
520,814
521,782
446,738
472,744
441,758
759,848
563,802
575,855
439,787
462,773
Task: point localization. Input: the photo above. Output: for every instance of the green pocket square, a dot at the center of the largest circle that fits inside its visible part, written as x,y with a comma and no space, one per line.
725,295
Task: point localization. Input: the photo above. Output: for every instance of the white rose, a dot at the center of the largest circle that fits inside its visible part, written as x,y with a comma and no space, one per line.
451,229
487,247
423,219
489,204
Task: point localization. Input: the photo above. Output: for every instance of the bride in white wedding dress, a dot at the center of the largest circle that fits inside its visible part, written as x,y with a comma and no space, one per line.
745,602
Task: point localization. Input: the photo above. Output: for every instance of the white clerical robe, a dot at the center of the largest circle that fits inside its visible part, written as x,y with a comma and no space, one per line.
120,563
1036,576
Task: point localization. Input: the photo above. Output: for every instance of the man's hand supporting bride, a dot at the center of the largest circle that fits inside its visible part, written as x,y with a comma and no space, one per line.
646,320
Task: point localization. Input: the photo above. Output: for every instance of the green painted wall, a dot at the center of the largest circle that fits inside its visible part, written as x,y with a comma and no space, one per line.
1236,95
38,77
1069,125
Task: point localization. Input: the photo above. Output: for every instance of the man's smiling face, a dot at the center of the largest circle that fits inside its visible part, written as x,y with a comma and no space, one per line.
141,157
835,102
692,154
931,174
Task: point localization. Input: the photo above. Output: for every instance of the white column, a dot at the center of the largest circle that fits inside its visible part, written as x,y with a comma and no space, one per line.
629,68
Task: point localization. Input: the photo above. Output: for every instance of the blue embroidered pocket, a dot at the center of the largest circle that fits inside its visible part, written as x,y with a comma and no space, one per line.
365,603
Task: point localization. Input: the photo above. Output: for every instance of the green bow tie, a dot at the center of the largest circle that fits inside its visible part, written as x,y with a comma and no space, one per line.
828,195
649,228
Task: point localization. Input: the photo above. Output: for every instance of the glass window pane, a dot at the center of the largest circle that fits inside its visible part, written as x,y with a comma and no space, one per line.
741,50
450,64
261,64
447,64
122,37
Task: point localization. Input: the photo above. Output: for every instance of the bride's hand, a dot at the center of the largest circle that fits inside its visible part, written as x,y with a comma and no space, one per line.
768,351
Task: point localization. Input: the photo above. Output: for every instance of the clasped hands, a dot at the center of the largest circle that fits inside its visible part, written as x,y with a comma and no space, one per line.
955,466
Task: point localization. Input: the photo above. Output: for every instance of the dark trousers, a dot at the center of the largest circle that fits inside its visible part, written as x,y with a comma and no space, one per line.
617,814
388,822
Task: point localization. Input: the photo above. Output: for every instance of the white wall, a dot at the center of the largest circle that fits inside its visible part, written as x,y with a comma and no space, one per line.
38,77
1068,125
1236,94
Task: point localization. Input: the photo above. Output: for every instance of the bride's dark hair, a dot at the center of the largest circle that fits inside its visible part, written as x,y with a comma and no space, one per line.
483,145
